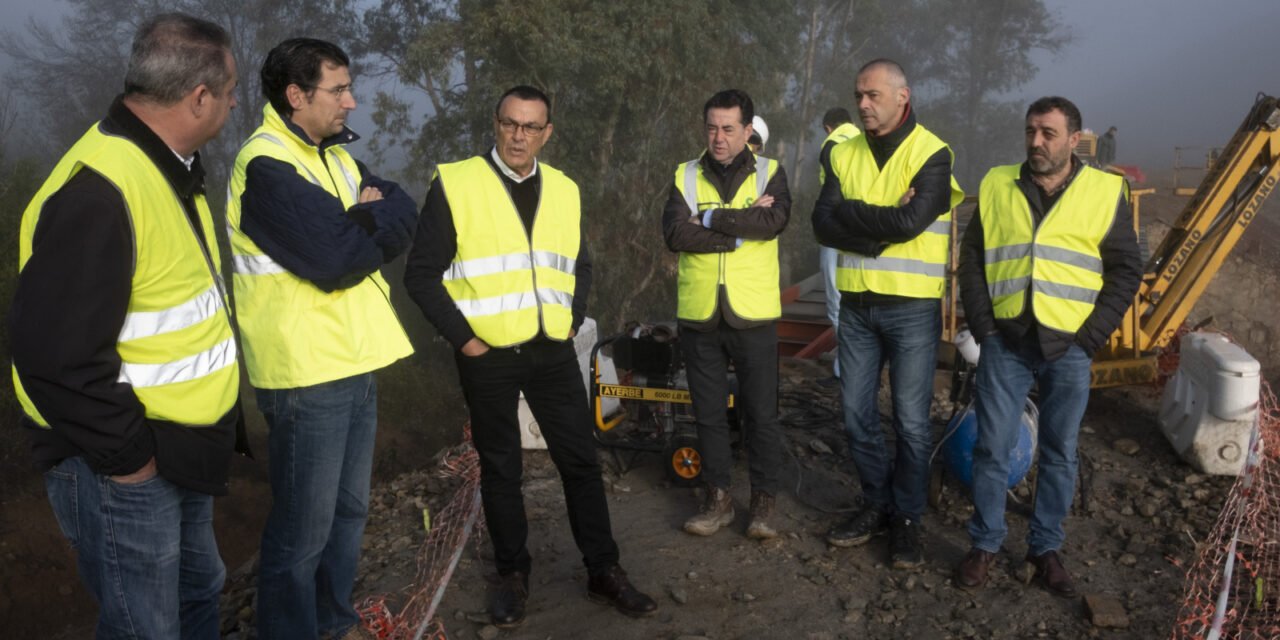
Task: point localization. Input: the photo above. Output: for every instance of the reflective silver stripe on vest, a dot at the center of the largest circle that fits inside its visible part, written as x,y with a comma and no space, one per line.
1007,287
555,296
497,304
1009,252
477,267
691,185
895,265
762,176
144,324
259,265
1073,258
940,227
190,368
1065,291
552,260
351,182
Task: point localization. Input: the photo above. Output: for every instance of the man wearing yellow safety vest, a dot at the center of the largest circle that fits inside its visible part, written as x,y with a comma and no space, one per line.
310,227
1048,266
123,348
886,205
838,125
723,216
500,268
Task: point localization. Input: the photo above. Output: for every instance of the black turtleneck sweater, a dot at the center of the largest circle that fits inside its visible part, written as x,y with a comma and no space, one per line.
854,225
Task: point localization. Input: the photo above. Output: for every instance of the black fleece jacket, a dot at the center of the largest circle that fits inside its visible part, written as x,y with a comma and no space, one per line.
859,227
1121,276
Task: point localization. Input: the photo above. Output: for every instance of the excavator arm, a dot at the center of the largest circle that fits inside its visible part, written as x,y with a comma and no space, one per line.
1179,270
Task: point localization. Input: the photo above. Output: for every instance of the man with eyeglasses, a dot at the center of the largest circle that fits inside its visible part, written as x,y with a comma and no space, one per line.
310,227
500,267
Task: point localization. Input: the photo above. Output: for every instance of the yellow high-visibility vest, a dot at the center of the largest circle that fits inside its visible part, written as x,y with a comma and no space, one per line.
749,273
916,268
295,334
506,281
176,347
839,134
1060,260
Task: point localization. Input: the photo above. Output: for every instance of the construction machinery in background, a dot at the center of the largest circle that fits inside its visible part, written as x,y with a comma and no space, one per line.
1176,273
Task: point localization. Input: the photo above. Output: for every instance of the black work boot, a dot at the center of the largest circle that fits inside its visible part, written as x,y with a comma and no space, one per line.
506,601
905,548
613,588
869,521
716,512
760,526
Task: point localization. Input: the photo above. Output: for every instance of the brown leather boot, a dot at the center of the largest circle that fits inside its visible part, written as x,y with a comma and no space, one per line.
716,512
761,527
973,570
1051,574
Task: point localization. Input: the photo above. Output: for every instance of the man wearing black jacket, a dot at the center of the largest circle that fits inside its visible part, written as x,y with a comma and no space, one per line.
1048,266
886,205
723,216
125,360
500,267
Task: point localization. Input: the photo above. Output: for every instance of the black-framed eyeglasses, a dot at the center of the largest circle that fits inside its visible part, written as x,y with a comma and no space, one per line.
335,91
532,130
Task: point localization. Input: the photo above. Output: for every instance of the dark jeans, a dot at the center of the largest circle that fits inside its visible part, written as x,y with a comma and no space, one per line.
321,445
146,552
754,353
905,336
1004,378
548,374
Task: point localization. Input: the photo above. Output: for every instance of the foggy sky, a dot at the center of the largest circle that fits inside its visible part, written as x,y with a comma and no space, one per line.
1165,73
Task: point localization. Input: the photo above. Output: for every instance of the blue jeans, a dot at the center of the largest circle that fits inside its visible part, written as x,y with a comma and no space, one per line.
905,336
321,456
146,551
1004,378
827,259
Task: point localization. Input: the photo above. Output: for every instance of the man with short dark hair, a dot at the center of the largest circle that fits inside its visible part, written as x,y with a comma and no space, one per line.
886,205
500,268
838,125
723,216
1048,267
310,228
123,349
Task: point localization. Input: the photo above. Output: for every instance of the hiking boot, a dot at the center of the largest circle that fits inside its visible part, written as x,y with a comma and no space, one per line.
506,601
972,571
760,527
1051,574
613,588
905,548
716,512
869,521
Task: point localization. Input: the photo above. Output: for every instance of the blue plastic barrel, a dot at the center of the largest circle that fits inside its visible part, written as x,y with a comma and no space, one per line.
962,434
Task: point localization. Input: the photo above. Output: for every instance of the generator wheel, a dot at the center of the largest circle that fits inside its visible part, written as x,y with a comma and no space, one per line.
684,459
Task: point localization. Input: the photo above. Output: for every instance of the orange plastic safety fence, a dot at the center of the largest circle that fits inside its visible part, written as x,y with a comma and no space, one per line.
1232,592
451,528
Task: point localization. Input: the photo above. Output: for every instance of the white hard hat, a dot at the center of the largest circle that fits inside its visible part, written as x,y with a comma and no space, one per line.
757,124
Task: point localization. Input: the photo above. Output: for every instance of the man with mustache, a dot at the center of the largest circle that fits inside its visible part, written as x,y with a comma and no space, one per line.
500,268
310,227
723,216
886,205
1048,266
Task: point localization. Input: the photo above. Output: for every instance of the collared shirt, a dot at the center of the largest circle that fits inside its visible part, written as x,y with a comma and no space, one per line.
508,171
